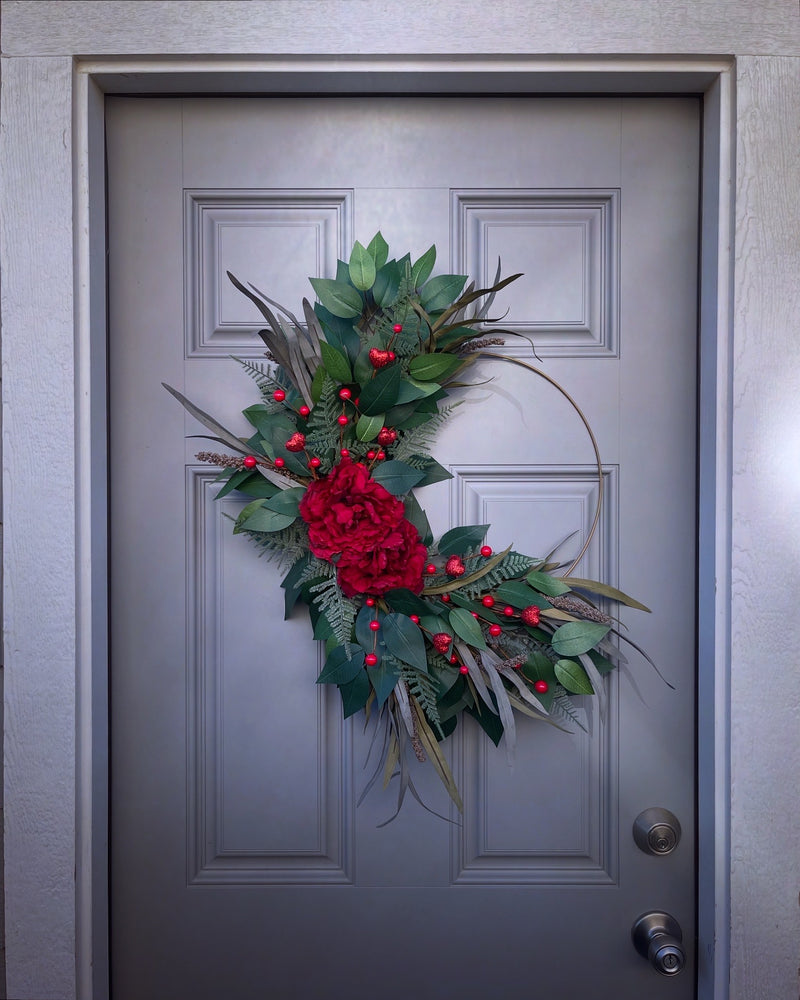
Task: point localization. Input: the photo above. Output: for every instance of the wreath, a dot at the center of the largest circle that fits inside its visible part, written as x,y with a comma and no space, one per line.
416,631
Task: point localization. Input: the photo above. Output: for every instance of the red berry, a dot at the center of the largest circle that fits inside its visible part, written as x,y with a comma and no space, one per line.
508,611
314,463
488,601
441,642
495,630
454,566
345,394
344,453
398,328
430,569
386,436
371,454
374,625
454,659
486,550
392,355
296,442
380,456
530,615
414,619
371,659
463,669
249,462
280,462
370,602
541,686
446,598
343,420
279,395
474,614
304,410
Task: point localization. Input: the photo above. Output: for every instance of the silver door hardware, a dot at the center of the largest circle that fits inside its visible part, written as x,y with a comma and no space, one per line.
657,831
657,937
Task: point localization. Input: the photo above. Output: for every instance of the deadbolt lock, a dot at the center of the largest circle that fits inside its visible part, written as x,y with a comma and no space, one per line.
657,831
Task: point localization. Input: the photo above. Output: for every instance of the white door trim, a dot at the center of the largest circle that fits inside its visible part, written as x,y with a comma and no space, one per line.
714,79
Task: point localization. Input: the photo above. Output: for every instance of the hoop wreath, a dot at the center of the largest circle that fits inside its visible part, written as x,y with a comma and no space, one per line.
417,631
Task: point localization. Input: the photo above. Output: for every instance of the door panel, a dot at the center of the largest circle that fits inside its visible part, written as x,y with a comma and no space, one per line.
240,860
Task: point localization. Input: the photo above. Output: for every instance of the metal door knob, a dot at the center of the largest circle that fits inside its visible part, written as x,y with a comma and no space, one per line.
657,831
657,937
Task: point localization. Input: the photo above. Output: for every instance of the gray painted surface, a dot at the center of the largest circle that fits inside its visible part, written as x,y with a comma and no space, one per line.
45,166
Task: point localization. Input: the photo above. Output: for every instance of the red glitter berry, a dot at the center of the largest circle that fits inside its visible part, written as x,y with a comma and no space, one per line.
454,566
279,395
249,462
541,686
386,436
371,659
296,442
486,551
530,615
441,642
379,359
392,355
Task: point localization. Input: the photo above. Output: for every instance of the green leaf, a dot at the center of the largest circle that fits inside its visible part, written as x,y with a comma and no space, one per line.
421,271
594,587
539,667
383,677
362,267
409,391
379,249
434,367
317,383
574,638
235,480
434,473
257,486
467,628
489,723
397,477
341,669
440,291
387,284
264,519
404,640
291,584
520,595
336,364
368,428
457,540
573,677
368,639
546,584
405,602
355,694
286,501
417,516
380,393
341,299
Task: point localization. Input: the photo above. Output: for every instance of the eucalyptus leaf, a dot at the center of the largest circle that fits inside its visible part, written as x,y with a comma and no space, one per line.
467,628
520,595
336,364
434,367
379,249
235,481
573,677
368,428
341,299
286,501
380,393
405,602
547,584
574,638
355,694
417,516
433,473
440,291
397,477
265,519
387,284
339,668
421,270
457,540
362,267
404,640
594,587
383,678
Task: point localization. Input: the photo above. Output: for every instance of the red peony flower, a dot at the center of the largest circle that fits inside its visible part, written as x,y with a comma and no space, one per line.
398,560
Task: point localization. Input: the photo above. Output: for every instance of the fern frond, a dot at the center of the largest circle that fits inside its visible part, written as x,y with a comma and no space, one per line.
339,610
564,707
513,566
323,430
284,547
419,440
268,378
424,688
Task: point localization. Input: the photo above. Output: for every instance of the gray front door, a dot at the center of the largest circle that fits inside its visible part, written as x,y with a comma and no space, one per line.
241,866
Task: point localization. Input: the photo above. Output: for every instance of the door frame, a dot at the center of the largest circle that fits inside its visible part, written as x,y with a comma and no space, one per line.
712,79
